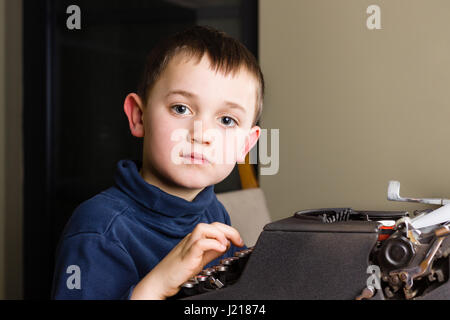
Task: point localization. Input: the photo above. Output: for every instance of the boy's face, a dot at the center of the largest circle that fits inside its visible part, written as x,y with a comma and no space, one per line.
197,122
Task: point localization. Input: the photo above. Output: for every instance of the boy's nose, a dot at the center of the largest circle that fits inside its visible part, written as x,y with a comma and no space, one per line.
197,134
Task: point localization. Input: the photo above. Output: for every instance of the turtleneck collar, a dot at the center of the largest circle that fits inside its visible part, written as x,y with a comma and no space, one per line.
151,197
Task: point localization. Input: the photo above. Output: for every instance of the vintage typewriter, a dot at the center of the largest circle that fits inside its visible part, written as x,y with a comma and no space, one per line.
339,253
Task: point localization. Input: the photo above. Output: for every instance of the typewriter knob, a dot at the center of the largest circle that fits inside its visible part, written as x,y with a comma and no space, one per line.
395,253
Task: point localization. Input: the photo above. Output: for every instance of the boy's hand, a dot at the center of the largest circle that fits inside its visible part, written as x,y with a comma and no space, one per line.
206,243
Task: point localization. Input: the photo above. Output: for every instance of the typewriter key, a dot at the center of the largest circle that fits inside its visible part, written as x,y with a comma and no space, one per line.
220,268
208,272
222,272
243,257
231,263
201,278
189,288
249,250
203,283
241,254
233,268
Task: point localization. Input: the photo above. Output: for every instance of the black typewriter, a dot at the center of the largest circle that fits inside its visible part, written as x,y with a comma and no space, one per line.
338,253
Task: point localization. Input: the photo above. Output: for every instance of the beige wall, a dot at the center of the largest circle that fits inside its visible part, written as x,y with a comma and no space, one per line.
356,107
11,172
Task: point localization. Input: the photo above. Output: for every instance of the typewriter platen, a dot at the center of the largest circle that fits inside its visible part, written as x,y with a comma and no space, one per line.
339,253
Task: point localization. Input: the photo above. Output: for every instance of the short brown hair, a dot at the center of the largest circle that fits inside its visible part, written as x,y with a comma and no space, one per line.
226,54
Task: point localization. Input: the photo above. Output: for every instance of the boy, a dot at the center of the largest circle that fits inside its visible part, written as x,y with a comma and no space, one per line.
161,223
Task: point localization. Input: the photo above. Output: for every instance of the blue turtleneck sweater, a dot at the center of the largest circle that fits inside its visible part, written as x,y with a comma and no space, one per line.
115,238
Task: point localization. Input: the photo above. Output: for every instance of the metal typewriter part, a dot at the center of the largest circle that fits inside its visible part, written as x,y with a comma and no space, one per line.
414,260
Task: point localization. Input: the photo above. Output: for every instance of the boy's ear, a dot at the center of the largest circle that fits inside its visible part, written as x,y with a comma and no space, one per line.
134,109
250,140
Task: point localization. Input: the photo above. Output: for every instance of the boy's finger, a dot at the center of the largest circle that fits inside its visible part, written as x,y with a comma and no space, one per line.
200,246
230,233
203,230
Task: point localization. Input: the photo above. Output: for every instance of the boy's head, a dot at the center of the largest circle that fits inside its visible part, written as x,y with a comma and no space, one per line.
200,98
226,54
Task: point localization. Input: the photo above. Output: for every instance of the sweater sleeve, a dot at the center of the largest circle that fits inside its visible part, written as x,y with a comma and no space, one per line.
90,266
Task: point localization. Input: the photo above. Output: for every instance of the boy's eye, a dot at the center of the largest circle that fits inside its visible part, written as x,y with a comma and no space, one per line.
181,109
229,122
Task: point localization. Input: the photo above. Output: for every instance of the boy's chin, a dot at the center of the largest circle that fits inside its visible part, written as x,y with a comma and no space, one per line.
194,183
197,181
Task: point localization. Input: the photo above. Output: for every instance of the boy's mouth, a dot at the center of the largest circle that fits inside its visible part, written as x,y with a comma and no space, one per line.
196,158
